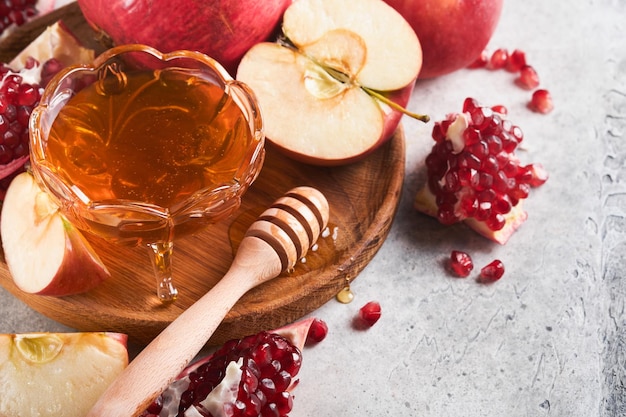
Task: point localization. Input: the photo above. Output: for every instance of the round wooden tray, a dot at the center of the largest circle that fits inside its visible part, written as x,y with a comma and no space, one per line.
363,199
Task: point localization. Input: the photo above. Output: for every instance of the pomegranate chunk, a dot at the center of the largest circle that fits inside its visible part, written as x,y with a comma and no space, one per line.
370,313
541,102
245,377
461,263
474,175
16,13
492,272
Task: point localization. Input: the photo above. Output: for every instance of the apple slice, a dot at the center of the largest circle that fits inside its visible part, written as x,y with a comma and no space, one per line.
335,88
57,374
45,253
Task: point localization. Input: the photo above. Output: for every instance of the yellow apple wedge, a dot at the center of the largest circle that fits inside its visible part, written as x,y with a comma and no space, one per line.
57,374
45,253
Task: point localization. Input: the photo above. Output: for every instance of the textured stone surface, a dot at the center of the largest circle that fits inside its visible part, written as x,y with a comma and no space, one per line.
549,339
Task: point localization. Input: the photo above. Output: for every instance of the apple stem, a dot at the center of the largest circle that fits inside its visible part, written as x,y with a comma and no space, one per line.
345,79
421,117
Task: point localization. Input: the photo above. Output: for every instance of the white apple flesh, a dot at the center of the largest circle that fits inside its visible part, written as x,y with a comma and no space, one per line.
57,374
335,91
45,254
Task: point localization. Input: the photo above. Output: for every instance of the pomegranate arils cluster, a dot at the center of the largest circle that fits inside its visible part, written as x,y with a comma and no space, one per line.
472,169
20,92
268,364
528,78
17,99
16,12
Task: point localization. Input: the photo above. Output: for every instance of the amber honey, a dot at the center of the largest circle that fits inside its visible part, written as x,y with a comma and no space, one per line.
155,137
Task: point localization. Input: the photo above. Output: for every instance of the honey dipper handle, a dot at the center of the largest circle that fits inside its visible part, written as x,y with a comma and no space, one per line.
272,244
168,354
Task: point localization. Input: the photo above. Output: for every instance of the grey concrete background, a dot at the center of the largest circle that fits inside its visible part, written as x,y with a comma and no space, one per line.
548,339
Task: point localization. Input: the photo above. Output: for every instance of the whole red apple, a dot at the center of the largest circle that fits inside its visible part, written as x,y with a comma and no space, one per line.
452,33
224,30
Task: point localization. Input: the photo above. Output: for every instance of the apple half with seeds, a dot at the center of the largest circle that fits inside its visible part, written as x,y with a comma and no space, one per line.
57,374
335,85
44,252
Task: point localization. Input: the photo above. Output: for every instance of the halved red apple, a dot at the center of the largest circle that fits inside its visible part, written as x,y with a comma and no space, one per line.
45,253
335,87
57,374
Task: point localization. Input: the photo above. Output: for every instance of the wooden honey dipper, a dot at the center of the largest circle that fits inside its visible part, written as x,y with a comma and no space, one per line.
273,244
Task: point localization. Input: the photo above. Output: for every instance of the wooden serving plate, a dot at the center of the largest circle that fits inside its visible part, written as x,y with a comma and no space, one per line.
363,199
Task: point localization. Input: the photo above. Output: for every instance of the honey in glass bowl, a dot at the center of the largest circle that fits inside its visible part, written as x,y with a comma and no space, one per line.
144,147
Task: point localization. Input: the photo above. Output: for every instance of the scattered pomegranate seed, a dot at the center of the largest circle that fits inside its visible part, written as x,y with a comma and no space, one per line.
317,332
499,108
517,60
492,272
481,61
370,313
461,263
541,102
528,78
498,59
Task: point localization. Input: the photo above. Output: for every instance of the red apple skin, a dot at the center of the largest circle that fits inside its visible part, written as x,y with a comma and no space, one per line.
80,268
452,33
79,272
391,122
224,30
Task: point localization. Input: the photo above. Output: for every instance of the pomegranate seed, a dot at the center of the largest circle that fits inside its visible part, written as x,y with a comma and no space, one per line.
541,102
17,100
539,175
317,332
498,59
370,313
492,272
500,109
517,60
528,78
461,263
481,61
482,178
